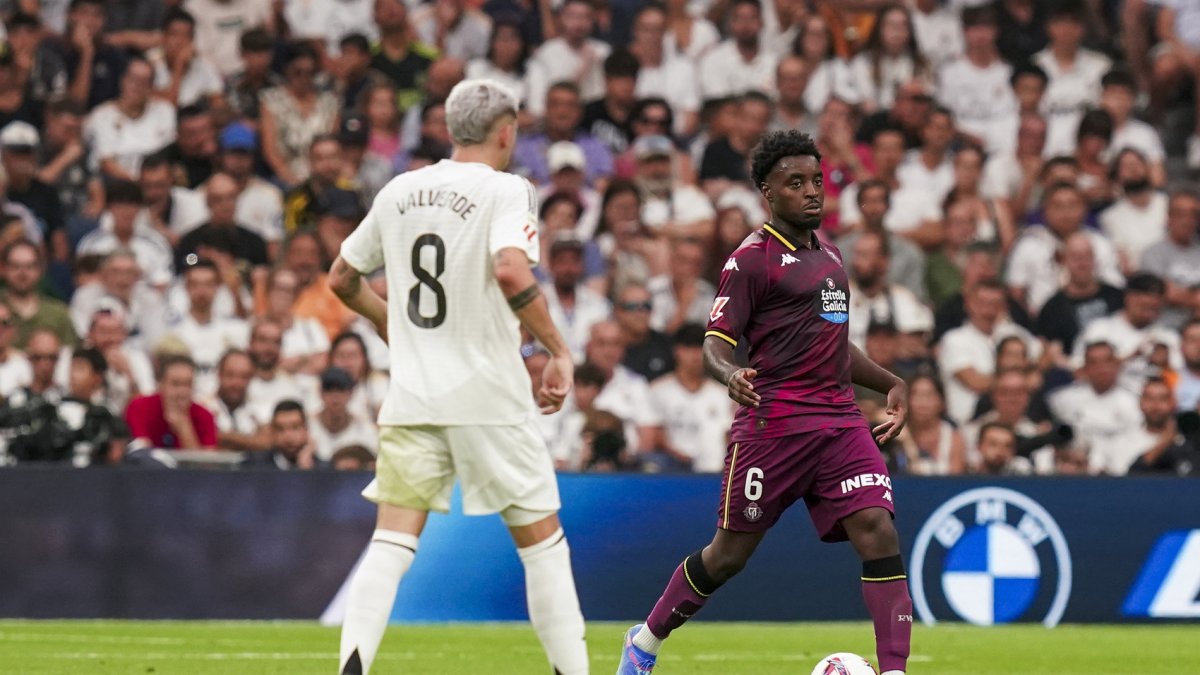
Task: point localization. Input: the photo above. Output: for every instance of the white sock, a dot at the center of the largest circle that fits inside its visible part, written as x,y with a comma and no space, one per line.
554,604
646,641
372,592
893,672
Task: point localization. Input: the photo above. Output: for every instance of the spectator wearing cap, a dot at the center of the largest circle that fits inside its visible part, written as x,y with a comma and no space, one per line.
221,196
119,287
62,161
907,264
572,57
1074,74
241,424
661,73
18,140
670,207
294,115
360,167
975,86
172,211
334,426
254,76
354,75
194,153
563,114
574,307
170,418
123,131
181,76
1034,267
206,332
608,118
567,163
399,56
259,202
125,224
300,206
456,30
727,160
38,65
740,63
95,67
337,213
220,25
647,351
694,407
23,271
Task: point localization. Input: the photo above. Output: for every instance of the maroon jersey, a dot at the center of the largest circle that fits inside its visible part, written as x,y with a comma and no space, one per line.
792,305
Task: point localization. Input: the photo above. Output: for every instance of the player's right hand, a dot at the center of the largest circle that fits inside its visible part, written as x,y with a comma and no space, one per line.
741,389
557,378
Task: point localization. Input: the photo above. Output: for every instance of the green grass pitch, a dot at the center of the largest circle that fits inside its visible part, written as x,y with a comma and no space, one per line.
166,647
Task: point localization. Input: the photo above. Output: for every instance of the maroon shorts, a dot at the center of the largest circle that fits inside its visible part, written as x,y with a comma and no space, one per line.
836,471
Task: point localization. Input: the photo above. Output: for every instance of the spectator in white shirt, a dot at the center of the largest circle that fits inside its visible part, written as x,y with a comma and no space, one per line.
967,354
241,425
1013,175
1118,95
458,31
1035,270
271,383
930,168
690,36
696,411
220,24
15,370
1145,347
173,210
1176,64
873,300
625,393
828,76
1138,219
564,436
181,76
1074,74
1098,411
123,131
663,74
1187,389
305,342
207,336
681,295
889,59
906,262
335,426
119,286
1177,256
573,57
574,307
1010,396
911,213
130,373
977,86
670,206
939,30
1157,433
125,224
505,62
741,63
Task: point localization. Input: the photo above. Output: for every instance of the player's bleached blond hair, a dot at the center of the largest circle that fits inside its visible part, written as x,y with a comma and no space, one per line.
473,108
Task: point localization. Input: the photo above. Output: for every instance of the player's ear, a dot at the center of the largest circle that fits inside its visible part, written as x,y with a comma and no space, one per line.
765,190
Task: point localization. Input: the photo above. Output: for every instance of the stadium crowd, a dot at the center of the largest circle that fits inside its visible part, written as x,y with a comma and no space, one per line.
1008,184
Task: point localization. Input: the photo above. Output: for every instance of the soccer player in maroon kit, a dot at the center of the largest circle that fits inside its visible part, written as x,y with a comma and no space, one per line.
797,433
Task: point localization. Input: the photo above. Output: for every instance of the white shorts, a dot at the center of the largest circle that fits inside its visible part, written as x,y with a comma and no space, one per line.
499,467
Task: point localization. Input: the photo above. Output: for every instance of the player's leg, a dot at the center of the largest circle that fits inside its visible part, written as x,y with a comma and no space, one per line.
884,584
413,475
550,588
508,470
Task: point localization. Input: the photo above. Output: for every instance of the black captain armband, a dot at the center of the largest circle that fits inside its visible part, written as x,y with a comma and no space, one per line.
518,301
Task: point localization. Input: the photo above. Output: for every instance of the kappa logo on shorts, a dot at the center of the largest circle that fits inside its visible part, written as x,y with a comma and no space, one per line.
752,512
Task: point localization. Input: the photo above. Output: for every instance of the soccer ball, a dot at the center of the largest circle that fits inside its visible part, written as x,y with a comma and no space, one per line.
844,663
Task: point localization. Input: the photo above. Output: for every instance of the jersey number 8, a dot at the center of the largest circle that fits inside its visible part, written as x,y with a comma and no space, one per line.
425,278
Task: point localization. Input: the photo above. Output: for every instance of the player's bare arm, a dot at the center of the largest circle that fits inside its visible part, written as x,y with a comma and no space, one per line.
511,268
346,283
867,373
718,360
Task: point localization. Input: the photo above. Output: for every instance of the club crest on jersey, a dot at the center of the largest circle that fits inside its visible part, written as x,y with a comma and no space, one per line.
787,259
834,303
716,312
731,264
752,512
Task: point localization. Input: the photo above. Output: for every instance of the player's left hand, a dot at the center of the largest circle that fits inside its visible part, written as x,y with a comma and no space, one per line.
897,409
557,378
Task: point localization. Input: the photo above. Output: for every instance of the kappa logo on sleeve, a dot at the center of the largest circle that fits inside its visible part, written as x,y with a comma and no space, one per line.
718,305
731,265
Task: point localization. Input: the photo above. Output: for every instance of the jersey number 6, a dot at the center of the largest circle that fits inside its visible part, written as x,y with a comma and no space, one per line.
424,278
754,486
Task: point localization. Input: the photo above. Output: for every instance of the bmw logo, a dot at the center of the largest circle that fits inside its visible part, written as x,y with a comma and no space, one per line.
991,556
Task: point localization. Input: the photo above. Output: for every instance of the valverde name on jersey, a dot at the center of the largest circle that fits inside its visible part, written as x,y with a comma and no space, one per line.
447,199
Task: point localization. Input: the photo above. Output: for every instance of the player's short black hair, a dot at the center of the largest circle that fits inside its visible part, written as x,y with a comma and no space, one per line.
1145,282
589,374
1026,69
355,41
776,145
621,63
1119,77
93,357
286,406
689,335
983,430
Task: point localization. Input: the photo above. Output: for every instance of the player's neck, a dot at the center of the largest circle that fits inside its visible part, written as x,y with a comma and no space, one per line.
804,237
478,154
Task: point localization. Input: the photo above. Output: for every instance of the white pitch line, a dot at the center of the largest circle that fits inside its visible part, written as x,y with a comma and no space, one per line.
231,656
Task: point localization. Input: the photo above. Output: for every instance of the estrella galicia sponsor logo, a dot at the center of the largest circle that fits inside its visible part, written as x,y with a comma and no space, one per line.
835,304
1168,587
991,556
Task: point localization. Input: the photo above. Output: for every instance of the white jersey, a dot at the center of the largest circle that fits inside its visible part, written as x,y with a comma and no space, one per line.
454,341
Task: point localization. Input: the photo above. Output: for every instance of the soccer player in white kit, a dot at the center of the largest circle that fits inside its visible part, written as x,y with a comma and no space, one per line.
457,241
